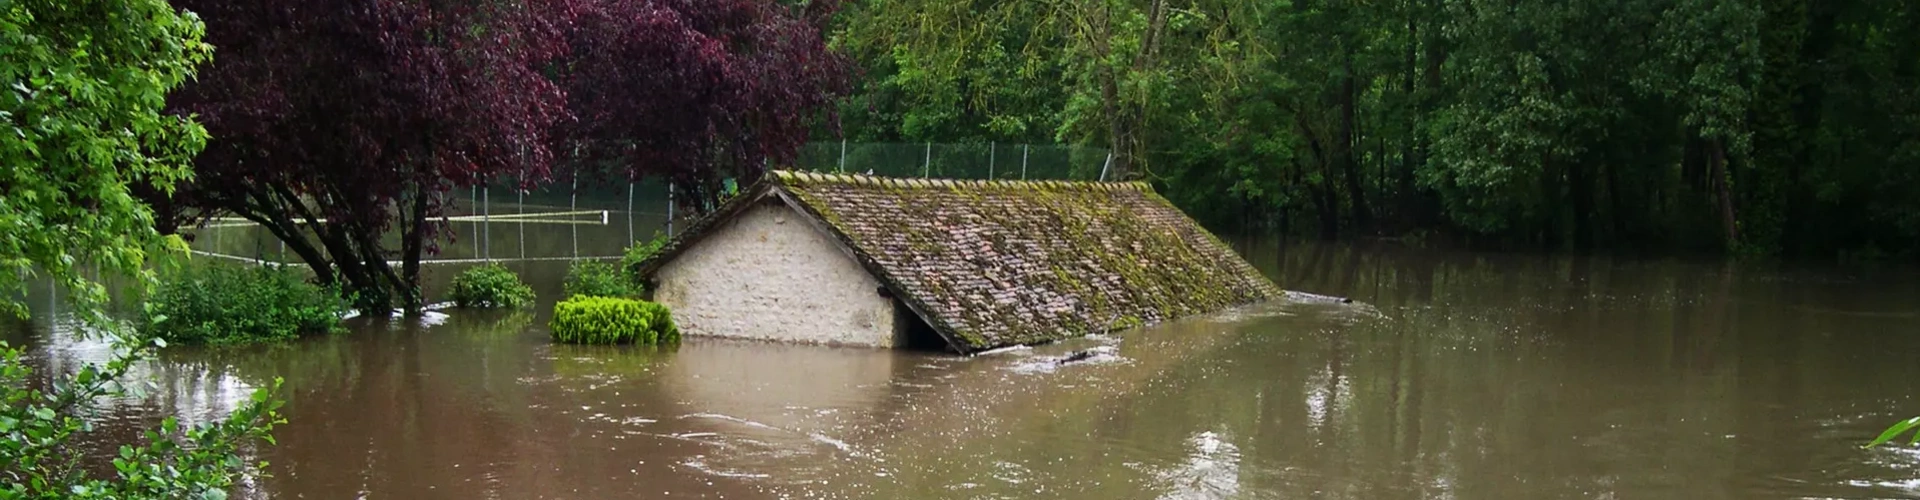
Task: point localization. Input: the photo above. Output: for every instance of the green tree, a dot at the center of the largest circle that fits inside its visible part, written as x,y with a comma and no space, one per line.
1750,126
87,80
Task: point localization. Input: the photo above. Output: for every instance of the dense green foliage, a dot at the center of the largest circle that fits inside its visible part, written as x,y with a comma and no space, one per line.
220,305
80,125
1761,126
490,285
80,129
39,433
639,254
608,320
597,279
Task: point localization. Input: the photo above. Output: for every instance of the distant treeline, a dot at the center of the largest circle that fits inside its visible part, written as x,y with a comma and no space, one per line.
1740,126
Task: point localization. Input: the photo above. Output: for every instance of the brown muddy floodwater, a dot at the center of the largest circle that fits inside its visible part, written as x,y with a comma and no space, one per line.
1455,375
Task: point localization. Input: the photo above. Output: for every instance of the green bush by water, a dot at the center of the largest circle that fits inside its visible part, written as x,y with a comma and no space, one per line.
609,320
598,279
491,285
220,304
638,254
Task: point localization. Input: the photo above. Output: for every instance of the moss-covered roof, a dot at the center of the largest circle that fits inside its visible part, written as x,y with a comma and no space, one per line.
998,263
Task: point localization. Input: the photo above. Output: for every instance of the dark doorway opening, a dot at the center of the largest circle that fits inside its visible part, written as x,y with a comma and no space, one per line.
911,332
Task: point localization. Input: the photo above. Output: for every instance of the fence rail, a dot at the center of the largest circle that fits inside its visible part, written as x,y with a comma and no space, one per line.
586,218
956,161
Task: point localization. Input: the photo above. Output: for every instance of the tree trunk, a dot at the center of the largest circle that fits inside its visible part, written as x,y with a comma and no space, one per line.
1717,169
1580,180
1120,141
1347,152
1615,208
1325,199
415,234
1405,178
1552,190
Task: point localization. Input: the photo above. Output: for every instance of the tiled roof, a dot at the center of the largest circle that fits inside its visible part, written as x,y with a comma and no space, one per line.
998,263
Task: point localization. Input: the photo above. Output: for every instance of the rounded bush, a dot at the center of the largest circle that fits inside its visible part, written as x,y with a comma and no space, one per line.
610,320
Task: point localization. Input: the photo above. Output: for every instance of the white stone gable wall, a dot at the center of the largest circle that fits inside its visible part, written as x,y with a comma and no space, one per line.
768,274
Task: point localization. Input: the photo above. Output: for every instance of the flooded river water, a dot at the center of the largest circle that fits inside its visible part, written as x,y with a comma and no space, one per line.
1454,375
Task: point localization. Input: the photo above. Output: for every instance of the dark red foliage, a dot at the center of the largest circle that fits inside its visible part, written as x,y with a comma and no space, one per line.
694,90
354,110
354,118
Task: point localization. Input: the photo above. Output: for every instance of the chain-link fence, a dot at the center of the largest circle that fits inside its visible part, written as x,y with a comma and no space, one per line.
597,218
956,161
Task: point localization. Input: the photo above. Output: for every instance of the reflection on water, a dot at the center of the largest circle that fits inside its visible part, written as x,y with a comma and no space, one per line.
1212,470
1452,376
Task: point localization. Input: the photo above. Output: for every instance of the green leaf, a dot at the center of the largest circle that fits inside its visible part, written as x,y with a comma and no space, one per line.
1894,431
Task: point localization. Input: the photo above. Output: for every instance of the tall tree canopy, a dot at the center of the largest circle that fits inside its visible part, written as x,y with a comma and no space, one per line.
694,90
1080,70
1746,125
335,121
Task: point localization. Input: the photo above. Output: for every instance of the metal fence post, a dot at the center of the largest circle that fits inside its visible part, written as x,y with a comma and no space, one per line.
473,201
1025,149
669,209
1103,167
486,220
520,203
991,147
629,212
843,155
573,205
926,167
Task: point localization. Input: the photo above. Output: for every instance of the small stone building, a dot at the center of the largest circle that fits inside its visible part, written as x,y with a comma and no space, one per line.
965,265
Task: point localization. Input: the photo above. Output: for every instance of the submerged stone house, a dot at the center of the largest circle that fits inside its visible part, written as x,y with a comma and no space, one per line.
968,265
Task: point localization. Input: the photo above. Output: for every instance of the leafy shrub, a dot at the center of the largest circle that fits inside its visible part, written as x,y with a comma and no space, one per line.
491,285
221,304
637,255
598,279
609,320
43,429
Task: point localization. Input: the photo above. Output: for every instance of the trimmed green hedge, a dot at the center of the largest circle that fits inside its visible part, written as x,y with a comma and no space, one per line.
491,285
222,304
609,320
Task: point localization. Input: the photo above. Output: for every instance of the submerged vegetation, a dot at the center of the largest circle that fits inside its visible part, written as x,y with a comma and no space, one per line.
222,304
609,320
491,285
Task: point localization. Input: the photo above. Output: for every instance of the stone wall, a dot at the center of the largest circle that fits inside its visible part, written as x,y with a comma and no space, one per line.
767,274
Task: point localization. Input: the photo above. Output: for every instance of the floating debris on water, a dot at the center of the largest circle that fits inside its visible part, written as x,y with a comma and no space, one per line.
1095,355
1004,350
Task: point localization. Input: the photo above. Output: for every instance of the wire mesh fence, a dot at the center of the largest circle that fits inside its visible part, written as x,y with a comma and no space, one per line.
597,218
955,161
